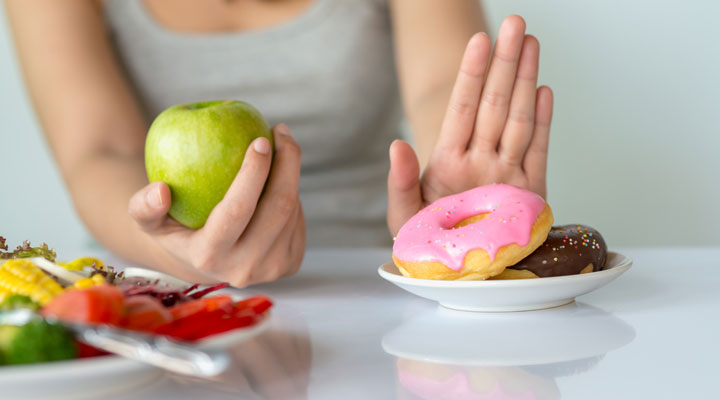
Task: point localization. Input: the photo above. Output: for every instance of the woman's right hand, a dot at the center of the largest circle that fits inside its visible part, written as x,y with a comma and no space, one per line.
251,236
496,128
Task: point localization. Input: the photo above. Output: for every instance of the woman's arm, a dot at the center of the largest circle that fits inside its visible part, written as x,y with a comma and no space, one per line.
90,118
97,134
430,38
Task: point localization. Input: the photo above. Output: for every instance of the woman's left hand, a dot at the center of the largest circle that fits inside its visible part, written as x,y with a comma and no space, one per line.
496,128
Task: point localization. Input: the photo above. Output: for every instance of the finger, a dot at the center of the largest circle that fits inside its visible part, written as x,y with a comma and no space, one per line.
495,97
282,258
535,162
281,198
521,118
296,244
276,260
404,194
231,215
460,116
149,207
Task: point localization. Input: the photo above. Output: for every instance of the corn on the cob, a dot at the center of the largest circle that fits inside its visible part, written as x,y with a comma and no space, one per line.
85,283
20,276
4,294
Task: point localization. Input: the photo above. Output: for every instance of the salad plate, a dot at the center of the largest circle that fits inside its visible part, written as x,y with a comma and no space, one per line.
94,377
512,294
84,378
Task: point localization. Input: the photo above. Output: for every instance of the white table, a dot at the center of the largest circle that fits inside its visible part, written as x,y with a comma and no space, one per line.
652,334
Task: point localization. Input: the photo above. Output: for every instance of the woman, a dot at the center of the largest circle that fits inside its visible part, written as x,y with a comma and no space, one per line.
98,72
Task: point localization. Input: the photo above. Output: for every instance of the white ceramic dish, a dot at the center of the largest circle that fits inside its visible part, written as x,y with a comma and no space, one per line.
88,378
509,295
92,378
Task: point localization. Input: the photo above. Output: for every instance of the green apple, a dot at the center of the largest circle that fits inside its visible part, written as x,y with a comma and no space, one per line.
197,149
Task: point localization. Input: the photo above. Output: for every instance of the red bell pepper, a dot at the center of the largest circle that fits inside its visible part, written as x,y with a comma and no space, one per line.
213,315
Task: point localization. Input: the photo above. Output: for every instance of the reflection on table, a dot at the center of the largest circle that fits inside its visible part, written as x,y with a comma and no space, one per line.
446,354
273,365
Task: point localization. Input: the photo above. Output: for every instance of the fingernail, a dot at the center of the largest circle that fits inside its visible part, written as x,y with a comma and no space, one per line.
262,145
283,130
153,198
478,36
390,150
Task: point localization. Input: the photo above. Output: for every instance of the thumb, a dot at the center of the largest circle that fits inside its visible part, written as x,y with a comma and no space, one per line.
404,193
149,206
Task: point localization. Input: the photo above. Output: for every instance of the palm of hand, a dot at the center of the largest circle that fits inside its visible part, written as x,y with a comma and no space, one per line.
448,174
496,128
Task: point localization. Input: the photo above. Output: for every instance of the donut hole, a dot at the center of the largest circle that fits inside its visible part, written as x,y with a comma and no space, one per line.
471,220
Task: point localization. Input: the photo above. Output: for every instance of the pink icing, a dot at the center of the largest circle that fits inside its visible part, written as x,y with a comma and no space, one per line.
430,234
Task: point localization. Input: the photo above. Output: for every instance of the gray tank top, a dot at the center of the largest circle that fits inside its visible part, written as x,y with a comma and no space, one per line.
329,74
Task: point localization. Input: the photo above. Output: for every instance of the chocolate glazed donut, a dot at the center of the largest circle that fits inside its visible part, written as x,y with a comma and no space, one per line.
568,250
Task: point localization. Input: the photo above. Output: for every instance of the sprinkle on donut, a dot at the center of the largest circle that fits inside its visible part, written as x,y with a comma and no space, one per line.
568,250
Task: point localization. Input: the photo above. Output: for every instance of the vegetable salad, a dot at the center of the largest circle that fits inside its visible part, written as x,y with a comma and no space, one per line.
85,290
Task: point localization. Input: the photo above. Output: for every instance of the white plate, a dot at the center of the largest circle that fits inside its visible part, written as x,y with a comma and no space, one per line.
95,377
511,294
87,378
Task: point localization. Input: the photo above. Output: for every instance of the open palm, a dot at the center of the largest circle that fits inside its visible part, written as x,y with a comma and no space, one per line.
496,128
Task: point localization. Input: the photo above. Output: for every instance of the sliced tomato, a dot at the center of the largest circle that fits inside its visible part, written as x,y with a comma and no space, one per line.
102,304
144,313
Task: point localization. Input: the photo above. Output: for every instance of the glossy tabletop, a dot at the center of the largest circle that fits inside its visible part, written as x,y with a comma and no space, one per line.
339,331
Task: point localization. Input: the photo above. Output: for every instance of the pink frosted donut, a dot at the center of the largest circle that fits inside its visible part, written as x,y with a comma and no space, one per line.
472,235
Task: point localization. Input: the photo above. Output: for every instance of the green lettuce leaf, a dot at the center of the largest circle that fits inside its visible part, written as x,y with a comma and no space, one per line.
26,251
